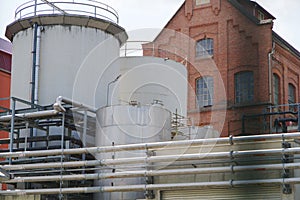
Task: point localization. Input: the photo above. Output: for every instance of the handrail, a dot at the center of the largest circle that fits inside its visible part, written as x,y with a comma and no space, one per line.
89,8
135,48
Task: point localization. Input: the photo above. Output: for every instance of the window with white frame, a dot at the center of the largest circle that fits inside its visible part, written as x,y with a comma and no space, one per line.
201,2
205,47
260,15
244,87
205,91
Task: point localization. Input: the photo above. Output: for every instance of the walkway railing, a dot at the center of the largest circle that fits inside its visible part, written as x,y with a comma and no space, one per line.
89,8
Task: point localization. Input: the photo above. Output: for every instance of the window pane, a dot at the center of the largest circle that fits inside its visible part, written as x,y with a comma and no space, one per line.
204,91
276,86
205,47
200,2
244,87
292,94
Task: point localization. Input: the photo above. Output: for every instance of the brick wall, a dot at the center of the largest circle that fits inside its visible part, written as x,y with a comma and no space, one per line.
239,45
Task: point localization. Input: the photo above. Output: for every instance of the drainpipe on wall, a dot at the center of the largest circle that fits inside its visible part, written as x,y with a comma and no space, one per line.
37,65
270,72
270,55
34,53
35,70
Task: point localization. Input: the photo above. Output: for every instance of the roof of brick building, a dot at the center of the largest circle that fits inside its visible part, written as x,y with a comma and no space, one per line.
5,46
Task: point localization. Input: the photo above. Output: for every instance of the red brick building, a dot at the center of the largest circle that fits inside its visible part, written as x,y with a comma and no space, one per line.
257,67
5,70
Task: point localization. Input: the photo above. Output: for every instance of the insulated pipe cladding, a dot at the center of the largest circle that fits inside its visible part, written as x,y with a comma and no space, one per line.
152,145
143,188
149,173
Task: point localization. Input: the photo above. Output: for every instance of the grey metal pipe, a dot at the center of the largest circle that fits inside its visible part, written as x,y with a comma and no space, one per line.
163,158
37,65
36,76
61,99
32,115
33,78
270,71
12,129
151,146
149,173
52,165
131,188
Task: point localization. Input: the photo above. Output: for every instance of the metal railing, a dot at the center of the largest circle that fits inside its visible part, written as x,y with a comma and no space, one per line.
135,48
275,119
89,8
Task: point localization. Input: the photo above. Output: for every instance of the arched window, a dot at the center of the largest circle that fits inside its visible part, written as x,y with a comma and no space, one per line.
205,91
205,47
244,87
276,89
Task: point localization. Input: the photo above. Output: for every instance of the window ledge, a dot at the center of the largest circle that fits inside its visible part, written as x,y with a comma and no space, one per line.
204,5
248,104
199,58
202,109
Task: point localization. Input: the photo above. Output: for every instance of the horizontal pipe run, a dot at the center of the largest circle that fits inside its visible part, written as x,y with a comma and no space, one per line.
132,188
32,115
197,156
74,103
151,146
52,165
149,173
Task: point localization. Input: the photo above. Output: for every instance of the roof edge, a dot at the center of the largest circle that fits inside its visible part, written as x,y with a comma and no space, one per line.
5,46
76,20
277,38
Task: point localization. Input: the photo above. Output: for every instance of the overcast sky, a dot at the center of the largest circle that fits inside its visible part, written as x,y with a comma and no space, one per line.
139,14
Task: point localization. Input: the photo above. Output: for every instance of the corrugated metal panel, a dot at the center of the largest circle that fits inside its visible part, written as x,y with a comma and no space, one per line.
242,193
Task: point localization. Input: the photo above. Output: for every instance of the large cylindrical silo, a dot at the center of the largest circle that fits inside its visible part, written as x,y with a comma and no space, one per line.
70,49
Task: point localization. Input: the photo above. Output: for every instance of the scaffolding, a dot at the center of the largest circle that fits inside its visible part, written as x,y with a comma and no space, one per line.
49,155
63,125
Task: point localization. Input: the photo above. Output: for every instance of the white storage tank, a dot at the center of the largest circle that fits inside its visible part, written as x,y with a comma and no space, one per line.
129,124
148,80
72,50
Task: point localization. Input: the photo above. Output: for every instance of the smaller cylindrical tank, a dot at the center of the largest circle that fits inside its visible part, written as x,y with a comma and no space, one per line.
129,124
150,79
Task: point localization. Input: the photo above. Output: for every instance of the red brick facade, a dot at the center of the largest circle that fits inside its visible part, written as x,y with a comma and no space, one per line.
5,77
243,41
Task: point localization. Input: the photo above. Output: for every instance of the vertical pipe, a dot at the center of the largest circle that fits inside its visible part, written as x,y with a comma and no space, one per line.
37,65
298,117
35,72
270,72
35,30
84,128
84,137
61,196
12,128
35,5
270,55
